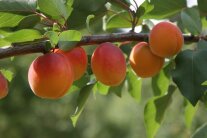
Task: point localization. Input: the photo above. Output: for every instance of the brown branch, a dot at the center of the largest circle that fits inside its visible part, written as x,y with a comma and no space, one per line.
40,47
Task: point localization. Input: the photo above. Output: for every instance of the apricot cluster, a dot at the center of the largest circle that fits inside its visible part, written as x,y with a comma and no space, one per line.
51,75
165,40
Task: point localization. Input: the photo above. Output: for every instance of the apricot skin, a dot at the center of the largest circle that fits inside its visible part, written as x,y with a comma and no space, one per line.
144,62
3,87
108,64
50,76
78,60
165,39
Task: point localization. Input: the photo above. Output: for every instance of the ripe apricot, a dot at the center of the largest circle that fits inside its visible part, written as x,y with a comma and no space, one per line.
78,59
144,62
108,64
3,86
165,39
50,76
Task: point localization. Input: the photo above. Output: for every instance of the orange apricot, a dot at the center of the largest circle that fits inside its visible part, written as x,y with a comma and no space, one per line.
108,64
144,62
50,76
78,60
3,87
165,39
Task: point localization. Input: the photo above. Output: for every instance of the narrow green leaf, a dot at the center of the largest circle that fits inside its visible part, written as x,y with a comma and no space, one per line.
10,19
191,20
29,21
68,39
154,112
201,132
23,35
189,113
7,74
134,85
81,101
18,5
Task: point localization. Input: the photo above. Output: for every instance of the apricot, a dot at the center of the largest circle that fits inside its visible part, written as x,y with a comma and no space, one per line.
50,76
3,87
78,59
165,39
144,62
108,64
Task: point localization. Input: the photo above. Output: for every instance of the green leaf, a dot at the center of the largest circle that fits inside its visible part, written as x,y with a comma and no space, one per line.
160,83
55,8
88,21
53,37
23,35
102,89
201,132
202,6
81,101
10,19
144,8
154,112
165,8
7,74
18,5
191,20
189,113
134,85
120,20
4,43
68,39
29,21
191,66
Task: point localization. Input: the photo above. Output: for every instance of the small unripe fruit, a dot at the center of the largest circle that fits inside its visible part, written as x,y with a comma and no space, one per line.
108,64
78,60
3,86
50,76
144,62
165,39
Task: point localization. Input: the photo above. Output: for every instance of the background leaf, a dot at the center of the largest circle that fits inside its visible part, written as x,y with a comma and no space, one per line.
134,85
201,132
81,101
154,112
191,20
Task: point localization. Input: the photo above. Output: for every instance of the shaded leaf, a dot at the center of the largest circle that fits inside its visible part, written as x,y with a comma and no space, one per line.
53,37
18,5
134,85
191,66
10,19
165,8
154,112
191,20
81,101
117,89
102,89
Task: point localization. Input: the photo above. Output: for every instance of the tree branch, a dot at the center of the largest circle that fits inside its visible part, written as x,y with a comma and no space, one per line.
40,47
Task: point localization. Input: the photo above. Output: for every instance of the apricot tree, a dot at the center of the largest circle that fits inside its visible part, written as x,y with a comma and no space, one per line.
85,49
